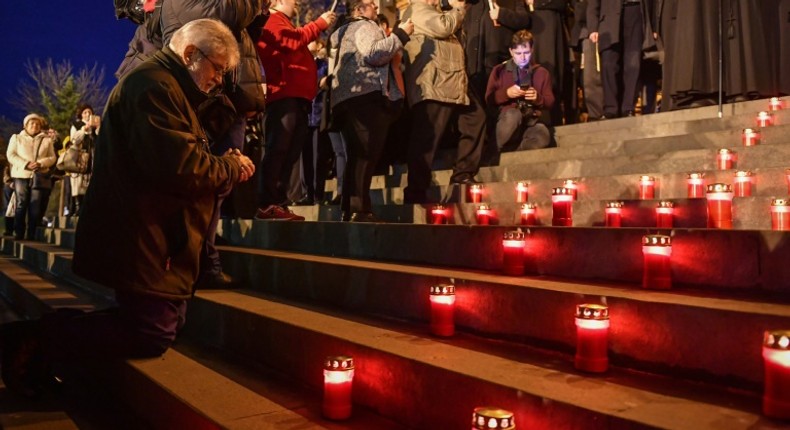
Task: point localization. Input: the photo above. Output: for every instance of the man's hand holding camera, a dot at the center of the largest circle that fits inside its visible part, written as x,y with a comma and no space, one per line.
517,92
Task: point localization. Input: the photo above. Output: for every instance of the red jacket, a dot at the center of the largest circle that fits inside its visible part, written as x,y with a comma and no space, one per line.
289,66
502,78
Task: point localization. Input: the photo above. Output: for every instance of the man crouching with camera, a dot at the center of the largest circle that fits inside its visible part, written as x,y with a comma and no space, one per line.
520,89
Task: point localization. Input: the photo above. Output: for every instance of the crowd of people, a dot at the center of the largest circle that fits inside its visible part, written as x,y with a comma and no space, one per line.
211,92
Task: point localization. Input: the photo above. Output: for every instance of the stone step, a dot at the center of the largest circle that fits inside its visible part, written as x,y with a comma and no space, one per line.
416,379
736,260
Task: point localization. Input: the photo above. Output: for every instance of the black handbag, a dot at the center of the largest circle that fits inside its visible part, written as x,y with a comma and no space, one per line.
41,180
326,123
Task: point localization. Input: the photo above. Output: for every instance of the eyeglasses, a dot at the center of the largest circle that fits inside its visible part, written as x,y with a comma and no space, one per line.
217,68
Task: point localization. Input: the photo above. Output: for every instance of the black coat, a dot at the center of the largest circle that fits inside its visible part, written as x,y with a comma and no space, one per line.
604,16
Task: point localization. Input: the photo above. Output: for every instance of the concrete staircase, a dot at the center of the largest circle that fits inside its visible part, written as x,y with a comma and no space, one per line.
684,358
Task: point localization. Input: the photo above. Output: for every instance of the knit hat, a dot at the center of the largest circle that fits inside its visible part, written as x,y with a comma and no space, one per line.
33,116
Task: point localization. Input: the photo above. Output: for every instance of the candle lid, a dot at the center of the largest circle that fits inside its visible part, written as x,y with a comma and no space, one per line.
483,207
646,178
476,186
780,201
610,205
749,130
665,204
569,183
719,188
492,418
695,175
561,191
777,339
656,240
443,290
763,114
529,206
339,362
591,311
522,184
438,207
743,173
514,235
725,151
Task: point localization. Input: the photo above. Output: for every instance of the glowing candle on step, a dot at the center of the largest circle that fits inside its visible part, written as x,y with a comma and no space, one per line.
780,214
719,206
571,185
614,213
765,119
522,192
775,104
442,306
750,137
476,193
743,184
696,186
484,214
513,245
338,377
776,360
664,213
529,214
647,187
592,333
439,214
492,418
656,250
562,207
787,178
725,159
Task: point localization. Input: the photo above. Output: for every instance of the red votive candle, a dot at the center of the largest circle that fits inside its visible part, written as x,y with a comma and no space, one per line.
719,206
484,214
787,177
529,214
592,333
513,245
750,137
743,184
776,360
475,193
492,418
656,250
439,214
696,185
775,104
614,213
522,192
765,119
780,214
338,376
664,213
725,159
442,306
562,207
571,185
647,187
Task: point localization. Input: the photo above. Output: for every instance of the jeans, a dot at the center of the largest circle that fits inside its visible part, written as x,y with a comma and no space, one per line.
30,205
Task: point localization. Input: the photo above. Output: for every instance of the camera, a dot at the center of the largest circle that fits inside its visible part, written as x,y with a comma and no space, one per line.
445,5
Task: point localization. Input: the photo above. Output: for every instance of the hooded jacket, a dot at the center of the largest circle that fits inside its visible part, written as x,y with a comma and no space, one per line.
154,185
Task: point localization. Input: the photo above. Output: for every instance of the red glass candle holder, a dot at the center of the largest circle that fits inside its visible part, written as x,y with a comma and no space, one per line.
562,207
765,119
696,185
573,186
475,193
442,299
614,213
657,250
776,360
775,104
720,206
492,418
522,192
592,332
513,245
529,214
647,187
484,214
780,214
338,377
742,186
439,214
725,159
750,137
787,178
665,211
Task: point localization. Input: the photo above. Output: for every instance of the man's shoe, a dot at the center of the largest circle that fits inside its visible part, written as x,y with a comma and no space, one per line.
216,281
334,202
465,179
364,217
277,213
304,201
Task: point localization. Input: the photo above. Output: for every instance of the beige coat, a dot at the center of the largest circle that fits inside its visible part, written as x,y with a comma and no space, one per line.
434,58
21,151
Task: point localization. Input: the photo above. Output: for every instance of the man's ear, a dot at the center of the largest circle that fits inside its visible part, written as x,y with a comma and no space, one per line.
189,53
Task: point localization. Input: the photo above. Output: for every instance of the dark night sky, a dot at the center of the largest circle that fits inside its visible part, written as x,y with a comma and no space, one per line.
84,32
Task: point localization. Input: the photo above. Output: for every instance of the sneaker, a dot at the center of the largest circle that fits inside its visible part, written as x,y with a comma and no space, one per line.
275,212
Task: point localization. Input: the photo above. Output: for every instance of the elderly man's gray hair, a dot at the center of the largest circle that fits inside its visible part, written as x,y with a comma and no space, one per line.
210,36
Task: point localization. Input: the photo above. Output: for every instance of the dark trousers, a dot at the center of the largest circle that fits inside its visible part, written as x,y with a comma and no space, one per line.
30,206
591,76
286,130
365,121
472,128
620,64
